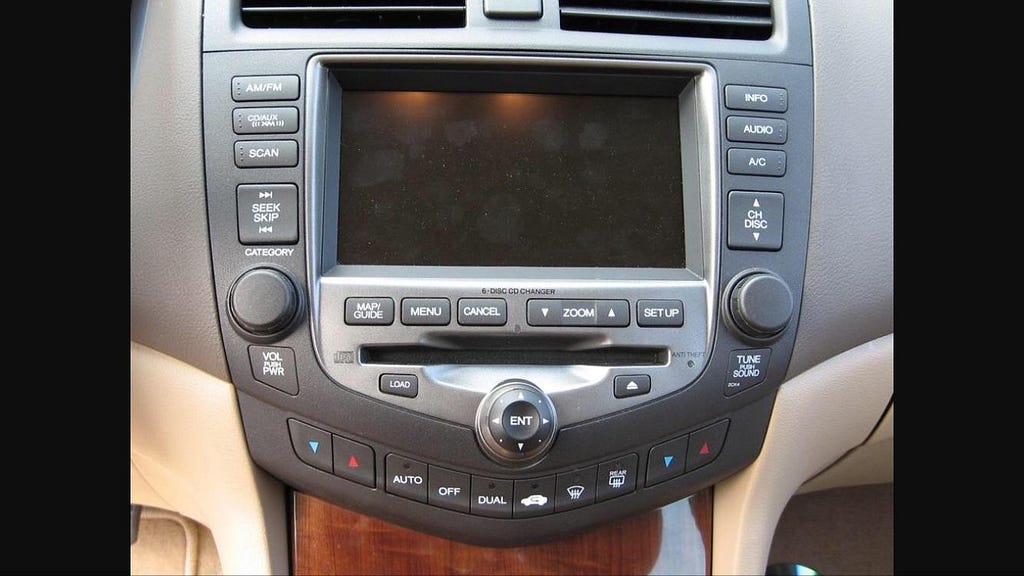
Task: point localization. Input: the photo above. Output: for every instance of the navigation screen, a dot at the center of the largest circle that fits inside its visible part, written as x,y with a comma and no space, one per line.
508,179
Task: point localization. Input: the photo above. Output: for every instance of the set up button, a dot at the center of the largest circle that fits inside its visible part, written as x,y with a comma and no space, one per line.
659,313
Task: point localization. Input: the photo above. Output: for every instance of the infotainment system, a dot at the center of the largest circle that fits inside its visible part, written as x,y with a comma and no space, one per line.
504,297
510,179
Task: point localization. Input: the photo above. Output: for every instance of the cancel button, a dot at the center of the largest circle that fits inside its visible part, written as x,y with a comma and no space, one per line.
482,312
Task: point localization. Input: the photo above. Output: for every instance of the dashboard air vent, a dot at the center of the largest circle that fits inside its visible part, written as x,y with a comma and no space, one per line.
354,13
736,19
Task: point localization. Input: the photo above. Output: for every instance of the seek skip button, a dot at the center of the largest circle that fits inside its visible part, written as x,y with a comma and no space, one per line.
659,313
268,213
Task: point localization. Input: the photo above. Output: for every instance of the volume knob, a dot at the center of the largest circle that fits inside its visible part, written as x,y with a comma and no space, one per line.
761,305
263,302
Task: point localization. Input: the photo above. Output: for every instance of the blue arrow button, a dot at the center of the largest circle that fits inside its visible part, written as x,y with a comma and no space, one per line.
314,445
668,460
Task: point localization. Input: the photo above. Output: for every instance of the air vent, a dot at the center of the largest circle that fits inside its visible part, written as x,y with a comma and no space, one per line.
737,19
354,13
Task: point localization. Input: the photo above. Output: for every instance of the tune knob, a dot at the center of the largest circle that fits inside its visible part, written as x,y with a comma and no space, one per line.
516,422
761,305
263,302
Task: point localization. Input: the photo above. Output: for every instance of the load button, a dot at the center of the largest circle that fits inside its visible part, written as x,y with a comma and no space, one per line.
659,313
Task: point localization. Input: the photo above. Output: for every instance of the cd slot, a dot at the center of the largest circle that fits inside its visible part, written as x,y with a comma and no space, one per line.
433,356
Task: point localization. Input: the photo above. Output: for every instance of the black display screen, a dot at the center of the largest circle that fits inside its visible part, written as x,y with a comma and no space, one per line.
509,179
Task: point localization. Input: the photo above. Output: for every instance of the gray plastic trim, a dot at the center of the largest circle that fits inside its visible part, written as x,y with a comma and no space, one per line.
172,301
849,279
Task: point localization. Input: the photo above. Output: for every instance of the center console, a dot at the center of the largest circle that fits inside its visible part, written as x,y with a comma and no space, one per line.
501,295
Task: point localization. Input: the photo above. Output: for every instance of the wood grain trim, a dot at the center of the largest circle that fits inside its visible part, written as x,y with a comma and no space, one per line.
675,539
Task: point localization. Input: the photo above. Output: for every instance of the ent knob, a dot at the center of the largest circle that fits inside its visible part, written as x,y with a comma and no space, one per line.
263,302
761,305
515,423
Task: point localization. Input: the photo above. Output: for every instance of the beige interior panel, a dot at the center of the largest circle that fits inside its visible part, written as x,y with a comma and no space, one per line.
870,463
819,416
188,454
